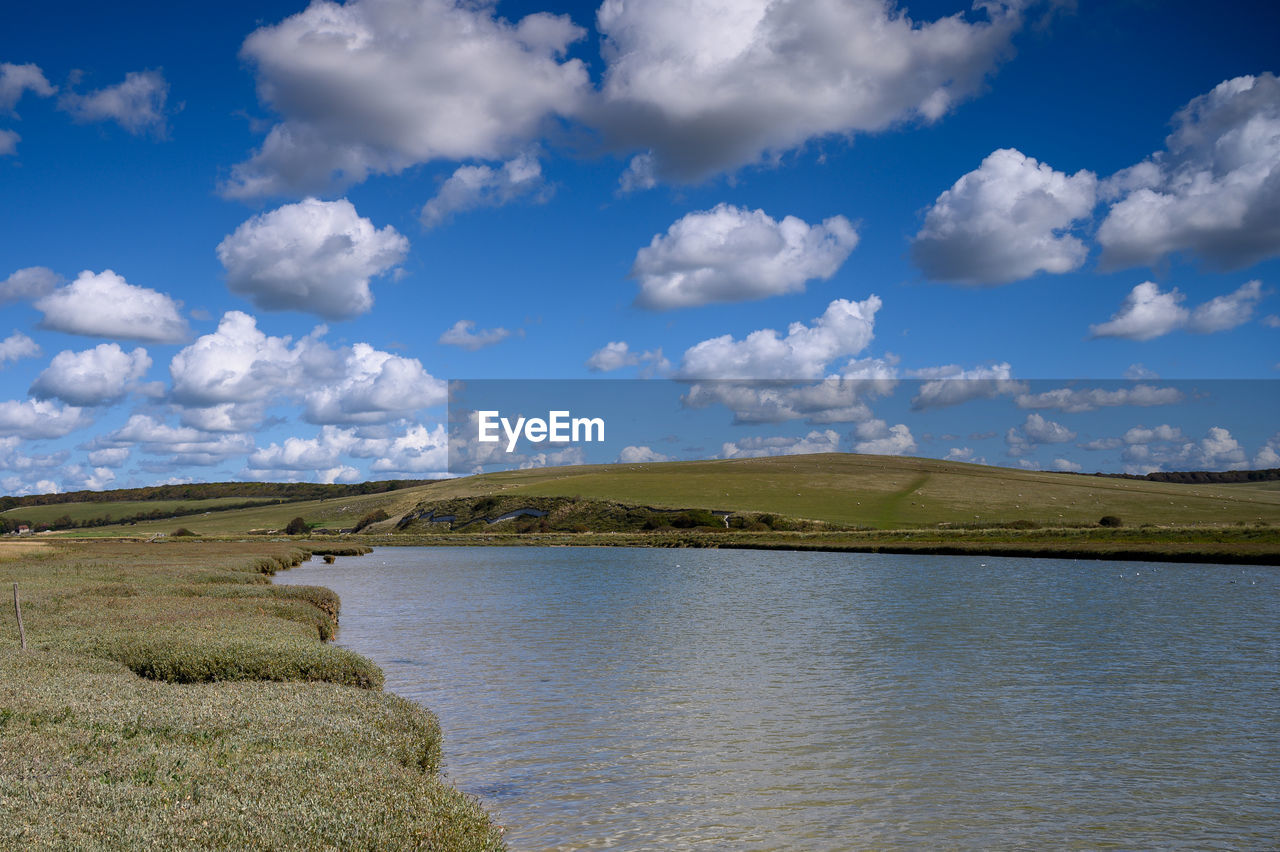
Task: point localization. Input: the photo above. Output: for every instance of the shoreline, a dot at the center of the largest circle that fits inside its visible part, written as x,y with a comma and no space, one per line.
173,696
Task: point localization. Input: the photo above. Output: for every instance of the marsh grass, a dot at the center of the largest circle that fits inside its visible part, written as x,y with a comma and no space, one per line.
244,730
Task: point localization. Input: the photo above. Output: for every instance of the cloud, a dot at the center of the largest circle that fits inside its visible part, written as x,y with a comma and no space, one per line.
1036,430
1145,313
9,143
463,333
844,329
16,346
1067,465
617,354
708,87
1074,400
179,445
1148,313
38,419
11,459
114,457
1144,435
1165,446
18,79
105,305
1213,192
875,437
417,451
612,356
952,385
825,441
28,284
470,187
638,175
136,104
730,254
1269,454
833,399
640,455
1226,312
323,452
313,256
98,376
1139,371
237,371
373,386
1005,221
375,87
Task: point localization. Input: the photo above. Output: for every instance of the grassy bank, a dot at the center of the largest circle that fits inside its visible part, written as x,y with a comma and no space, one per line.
172,697
1230,545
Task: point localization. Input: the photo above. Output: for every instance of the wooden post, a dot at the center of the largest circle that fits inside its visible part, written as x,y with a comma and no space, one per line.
17,608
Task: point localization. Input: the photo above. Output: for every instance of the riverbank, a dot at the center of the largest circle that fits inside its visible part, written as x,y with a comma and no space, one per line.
172,696
1236,545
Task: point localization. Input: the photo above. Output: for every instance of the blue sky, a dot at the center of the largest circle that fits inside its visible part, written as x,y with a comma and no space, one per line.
256,241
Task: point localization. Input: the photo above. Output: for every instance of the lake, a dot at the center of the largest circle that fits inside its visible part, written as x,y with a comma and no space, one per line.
618,698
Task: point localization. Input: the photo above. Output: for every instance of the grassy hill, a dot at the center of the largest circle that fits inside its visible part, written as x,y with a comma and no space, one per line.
879,492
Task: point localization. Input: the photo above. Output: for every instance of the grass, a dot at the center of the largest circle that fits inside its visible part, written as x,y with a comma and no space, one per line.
124,508
898,496
173,697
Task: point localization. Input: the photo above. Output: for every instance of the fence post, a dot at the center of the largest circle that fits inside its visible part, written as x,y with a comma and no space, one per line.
17,609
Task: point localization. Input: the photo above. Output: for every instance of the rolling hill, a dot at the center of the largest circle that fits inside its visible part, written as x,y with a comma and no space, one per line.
879,492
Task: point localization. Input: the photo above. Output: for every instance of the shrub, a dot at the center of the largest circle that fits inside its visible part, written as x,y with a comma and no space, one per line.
1110,521
370,519
181,531
298,526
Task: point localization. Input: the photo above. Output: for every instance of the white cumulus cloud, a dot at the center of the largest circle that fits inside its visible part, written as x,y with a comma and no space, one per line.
15,80
98,376
28,284
824,441
951,384
731,254
136,104
9,140
707,86
1213,192
470,187
1147,312
464,333
640,455
1074,400
375,86
313,256
875,437
1005,221
844,329
235,372
16,346
105,305
36,419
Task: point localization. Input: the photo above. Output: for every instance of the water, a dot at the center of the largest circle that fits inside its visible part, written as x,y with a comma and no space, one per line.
701,699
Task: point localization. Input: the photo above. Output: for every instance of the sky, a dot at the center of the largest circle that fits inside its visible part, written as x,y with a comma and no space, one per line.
259,241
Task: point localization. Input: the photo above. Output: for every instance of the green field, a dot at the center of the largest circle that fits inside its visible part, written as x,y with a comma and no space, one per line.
875,492
172,697
124,508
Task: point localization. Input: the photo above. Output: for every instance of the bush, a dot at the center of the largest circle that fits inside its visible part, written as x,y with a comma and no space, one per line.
370,519
181,531
298,526
1110,521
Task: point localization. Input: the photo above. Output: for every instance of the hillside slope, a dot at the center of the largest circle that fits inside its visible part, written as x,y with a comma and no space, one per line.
882,492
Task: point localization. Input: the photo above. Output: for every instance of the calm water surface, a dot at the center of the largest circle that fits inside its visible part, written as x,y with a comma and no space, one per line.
702,699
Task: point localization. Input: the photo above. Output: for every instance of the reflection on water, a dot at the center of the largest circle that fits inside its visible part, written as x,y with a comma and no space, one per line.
659,699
